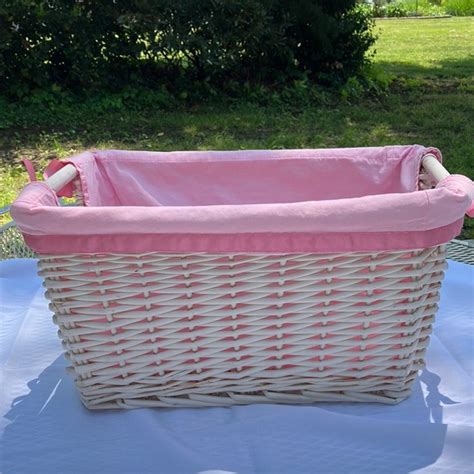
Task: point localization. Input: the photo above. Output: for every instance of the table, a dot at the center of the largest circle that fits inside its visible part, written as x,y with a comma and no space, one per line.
46,429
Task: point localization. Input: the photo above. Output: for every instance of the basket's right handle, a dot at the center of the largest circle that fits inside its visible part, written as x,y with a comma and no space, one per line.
434,168
438,172
65,175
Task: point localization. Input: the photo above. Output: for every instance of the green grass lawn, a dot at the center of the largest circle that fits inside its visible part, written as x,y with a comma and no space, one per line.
431,102
436,49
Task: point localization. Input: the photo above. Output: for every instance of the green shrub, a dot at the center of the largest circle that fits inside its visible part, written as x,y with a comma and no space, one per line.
184,46
396,10
422,7
458,7
403,8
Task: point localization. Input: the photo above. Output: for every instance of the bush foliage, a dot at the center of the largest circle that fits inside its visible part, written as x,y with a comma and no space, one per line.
87,45
403,8
458,7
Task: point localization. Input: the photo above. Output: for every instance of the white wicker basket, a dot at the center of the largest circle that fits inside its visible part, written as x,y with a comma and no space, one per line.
207,330
212,329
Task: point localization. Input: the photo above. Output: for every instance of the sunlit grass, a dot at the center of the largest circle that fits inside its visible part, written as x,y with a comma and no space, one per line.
427,48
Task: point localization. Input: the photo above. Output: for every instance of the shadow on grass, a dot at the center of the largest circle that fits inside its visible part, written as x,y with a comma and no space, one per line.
448,73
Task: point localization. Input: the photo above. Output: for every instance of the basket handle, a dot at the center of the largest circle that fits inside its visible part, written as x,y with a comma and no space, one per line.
438,172
65,175
434,168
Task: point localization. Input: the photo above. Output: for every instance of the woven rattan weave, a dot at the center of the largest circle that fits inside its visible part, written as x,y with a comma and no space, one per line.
197,330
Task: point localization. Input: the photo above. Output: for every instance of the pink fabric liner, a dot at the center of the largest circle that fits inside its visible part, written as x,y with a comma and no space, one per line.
248,243
284,200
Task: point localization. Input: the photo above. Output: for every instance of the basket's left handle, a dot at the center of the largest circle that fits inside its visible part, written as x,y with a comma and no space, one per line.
65,175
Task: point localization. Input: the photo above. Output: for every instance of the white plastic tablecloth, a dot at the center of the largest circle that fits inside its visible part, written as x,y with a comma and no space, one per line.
46,429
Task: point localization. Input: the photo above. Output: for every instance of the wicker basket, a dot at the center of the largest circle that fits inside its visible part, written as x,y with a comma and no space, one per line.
168,329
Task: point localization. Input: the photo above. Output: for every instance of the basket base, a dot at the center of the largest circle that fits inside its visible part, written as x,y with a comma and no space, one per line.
308,393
